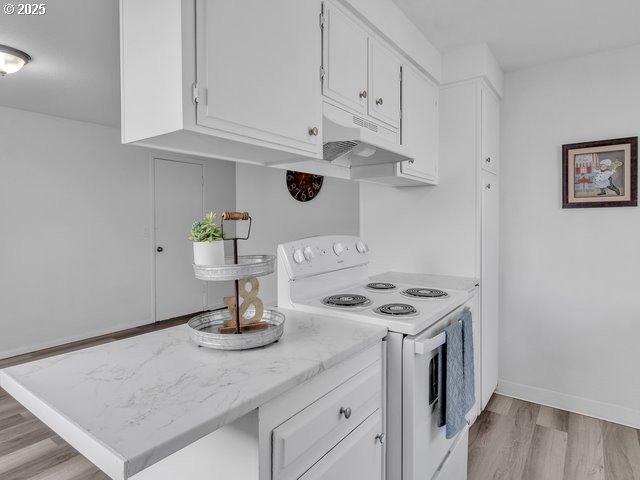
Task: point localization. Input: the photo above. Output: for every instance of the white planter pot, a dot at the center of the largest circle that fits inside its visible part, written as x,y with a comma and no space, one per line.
208,253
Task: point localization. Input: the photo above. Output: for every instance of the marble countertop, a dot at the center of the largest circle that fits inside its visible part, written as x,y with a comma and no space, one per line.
126,405
467,284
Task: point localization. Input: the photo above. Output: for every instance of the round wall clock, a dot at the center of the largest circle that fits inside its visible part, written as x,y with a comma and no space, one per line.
303,186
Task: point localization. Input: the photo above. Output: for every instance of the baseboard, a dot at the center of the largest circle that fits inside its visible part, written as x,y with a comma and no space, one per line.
583,406
73,338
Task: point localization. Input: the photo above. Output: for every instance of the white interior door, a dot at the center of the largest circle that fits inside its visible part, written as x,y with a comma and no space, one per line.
178,203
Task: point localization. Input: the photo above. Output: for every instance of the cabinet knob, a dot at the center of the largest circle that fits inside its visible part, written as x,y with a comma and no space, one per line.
159,249
488,186
345,411
313,131
380,438
379,101
411,162
488,159
363,94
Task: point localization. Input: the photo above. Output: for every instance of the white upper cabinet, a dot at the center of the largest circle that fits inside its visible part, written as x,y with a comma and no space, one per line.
345,59
232,80
247,81
258,70
384,84
360,72
420,125
490,107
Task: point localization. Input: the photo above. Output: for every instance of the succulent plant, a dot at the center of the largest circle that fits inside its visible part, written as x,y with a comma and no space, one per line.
206,230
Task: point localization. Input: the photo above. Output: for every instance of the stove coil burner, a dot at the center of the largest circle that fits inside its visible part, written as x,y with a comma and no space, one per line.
396,310
346,300
424,293
381,286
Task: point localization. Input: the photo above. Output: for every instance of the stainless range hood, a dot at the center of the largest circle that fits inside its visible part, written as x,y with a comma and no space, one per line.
353,141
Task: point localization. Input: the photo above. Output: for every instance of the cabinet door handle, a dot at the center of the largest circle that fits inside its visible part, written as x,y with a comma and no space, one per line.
488,159
345,411
363,94
380,438
379,101
313,131
488,186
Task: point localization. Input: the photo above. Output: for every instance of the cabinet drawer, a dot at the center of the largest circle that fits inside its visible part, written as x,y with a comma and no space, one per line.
305,438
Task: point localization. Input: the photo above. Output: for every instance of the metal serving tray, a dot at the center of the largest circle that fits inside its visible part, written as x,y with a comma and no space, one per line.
204,331
248,266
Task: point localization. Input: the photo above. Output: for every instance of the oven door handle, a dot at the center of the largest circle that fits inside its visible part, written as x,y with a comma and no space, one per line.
427,345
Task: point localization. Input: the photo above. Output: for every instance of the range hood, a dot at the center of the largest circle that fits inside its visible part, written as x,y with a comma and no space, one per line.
353,141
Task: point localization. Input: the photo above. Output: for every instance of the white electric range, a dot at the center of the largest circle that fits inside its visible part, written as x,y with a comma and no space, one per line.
329,275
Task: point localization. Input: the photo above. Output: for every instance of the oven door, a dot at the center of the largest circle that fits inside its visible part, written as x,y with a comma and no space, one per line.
426,450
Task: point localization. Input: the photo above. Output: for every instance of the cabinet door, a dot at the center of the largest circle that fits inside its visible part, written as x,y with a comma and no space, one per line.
490,130
345,59
258,70
357,457
384,84
489,284
420,124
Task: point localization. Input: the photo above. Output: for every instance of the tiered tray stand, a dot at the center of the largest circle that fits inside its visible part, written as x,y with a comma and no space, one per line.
205,327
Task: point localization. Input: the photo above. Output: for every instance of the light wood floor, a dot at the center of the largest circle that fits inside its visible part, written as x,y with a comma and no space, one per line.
517,440
511,440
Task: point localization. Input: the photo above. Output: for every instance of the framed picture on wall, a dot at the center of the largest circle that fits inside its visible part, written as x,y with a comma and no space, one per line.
600,174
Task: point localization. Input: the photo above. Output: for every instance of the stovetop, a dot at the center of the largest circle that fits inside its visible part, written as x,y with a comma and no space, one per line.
389,307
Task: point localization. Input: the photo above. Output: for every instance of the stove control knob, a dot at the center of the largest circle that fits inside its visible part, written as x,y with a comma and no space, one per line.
308,254
298,256
338,248
361,247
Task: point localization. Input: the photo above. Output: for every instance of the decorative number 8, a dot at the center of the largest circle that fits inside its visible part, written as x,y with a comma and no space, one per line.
249,297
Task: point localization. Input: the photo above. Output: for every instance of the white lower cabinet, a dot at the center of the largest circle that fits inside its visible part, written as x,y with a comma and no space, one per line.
357,457
330,427
490,254
308,436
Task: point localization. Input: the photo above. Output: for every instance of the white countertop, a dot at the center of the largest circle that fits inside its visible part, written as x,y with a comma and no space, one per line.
128,404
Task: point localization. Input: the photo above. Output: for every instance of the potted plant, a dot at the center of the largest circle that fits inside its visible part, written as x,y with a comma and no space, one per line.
208,247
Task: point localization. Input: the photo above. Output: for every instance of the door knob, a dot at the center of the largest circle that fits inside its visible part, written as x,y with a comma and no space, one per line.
159,249
379,101
345,411
363,94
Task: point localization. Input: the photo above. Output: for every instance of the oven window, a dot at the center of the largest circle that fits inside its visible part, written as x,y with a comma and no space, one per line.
434,368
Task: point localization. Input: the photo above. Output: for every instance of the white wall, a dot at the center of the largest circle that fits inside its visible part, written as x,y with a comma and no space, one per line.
570,295
76,246
74,233
278,217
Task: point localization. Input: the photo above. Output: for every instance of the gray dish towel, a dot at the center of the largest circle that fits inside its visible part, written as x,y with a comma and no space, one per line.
456,385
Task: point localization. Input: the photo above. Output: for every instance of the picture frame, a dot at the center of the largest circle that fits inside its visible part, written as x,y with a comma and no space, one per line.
603,173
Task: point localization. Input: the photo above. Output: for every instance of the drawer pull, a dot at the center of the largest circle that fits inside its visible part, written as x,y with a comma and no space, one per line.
380,438
345,411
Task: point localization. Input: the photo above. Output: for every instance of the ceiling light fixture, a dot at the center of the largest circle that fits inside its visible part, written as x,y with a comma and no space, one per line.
12,60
